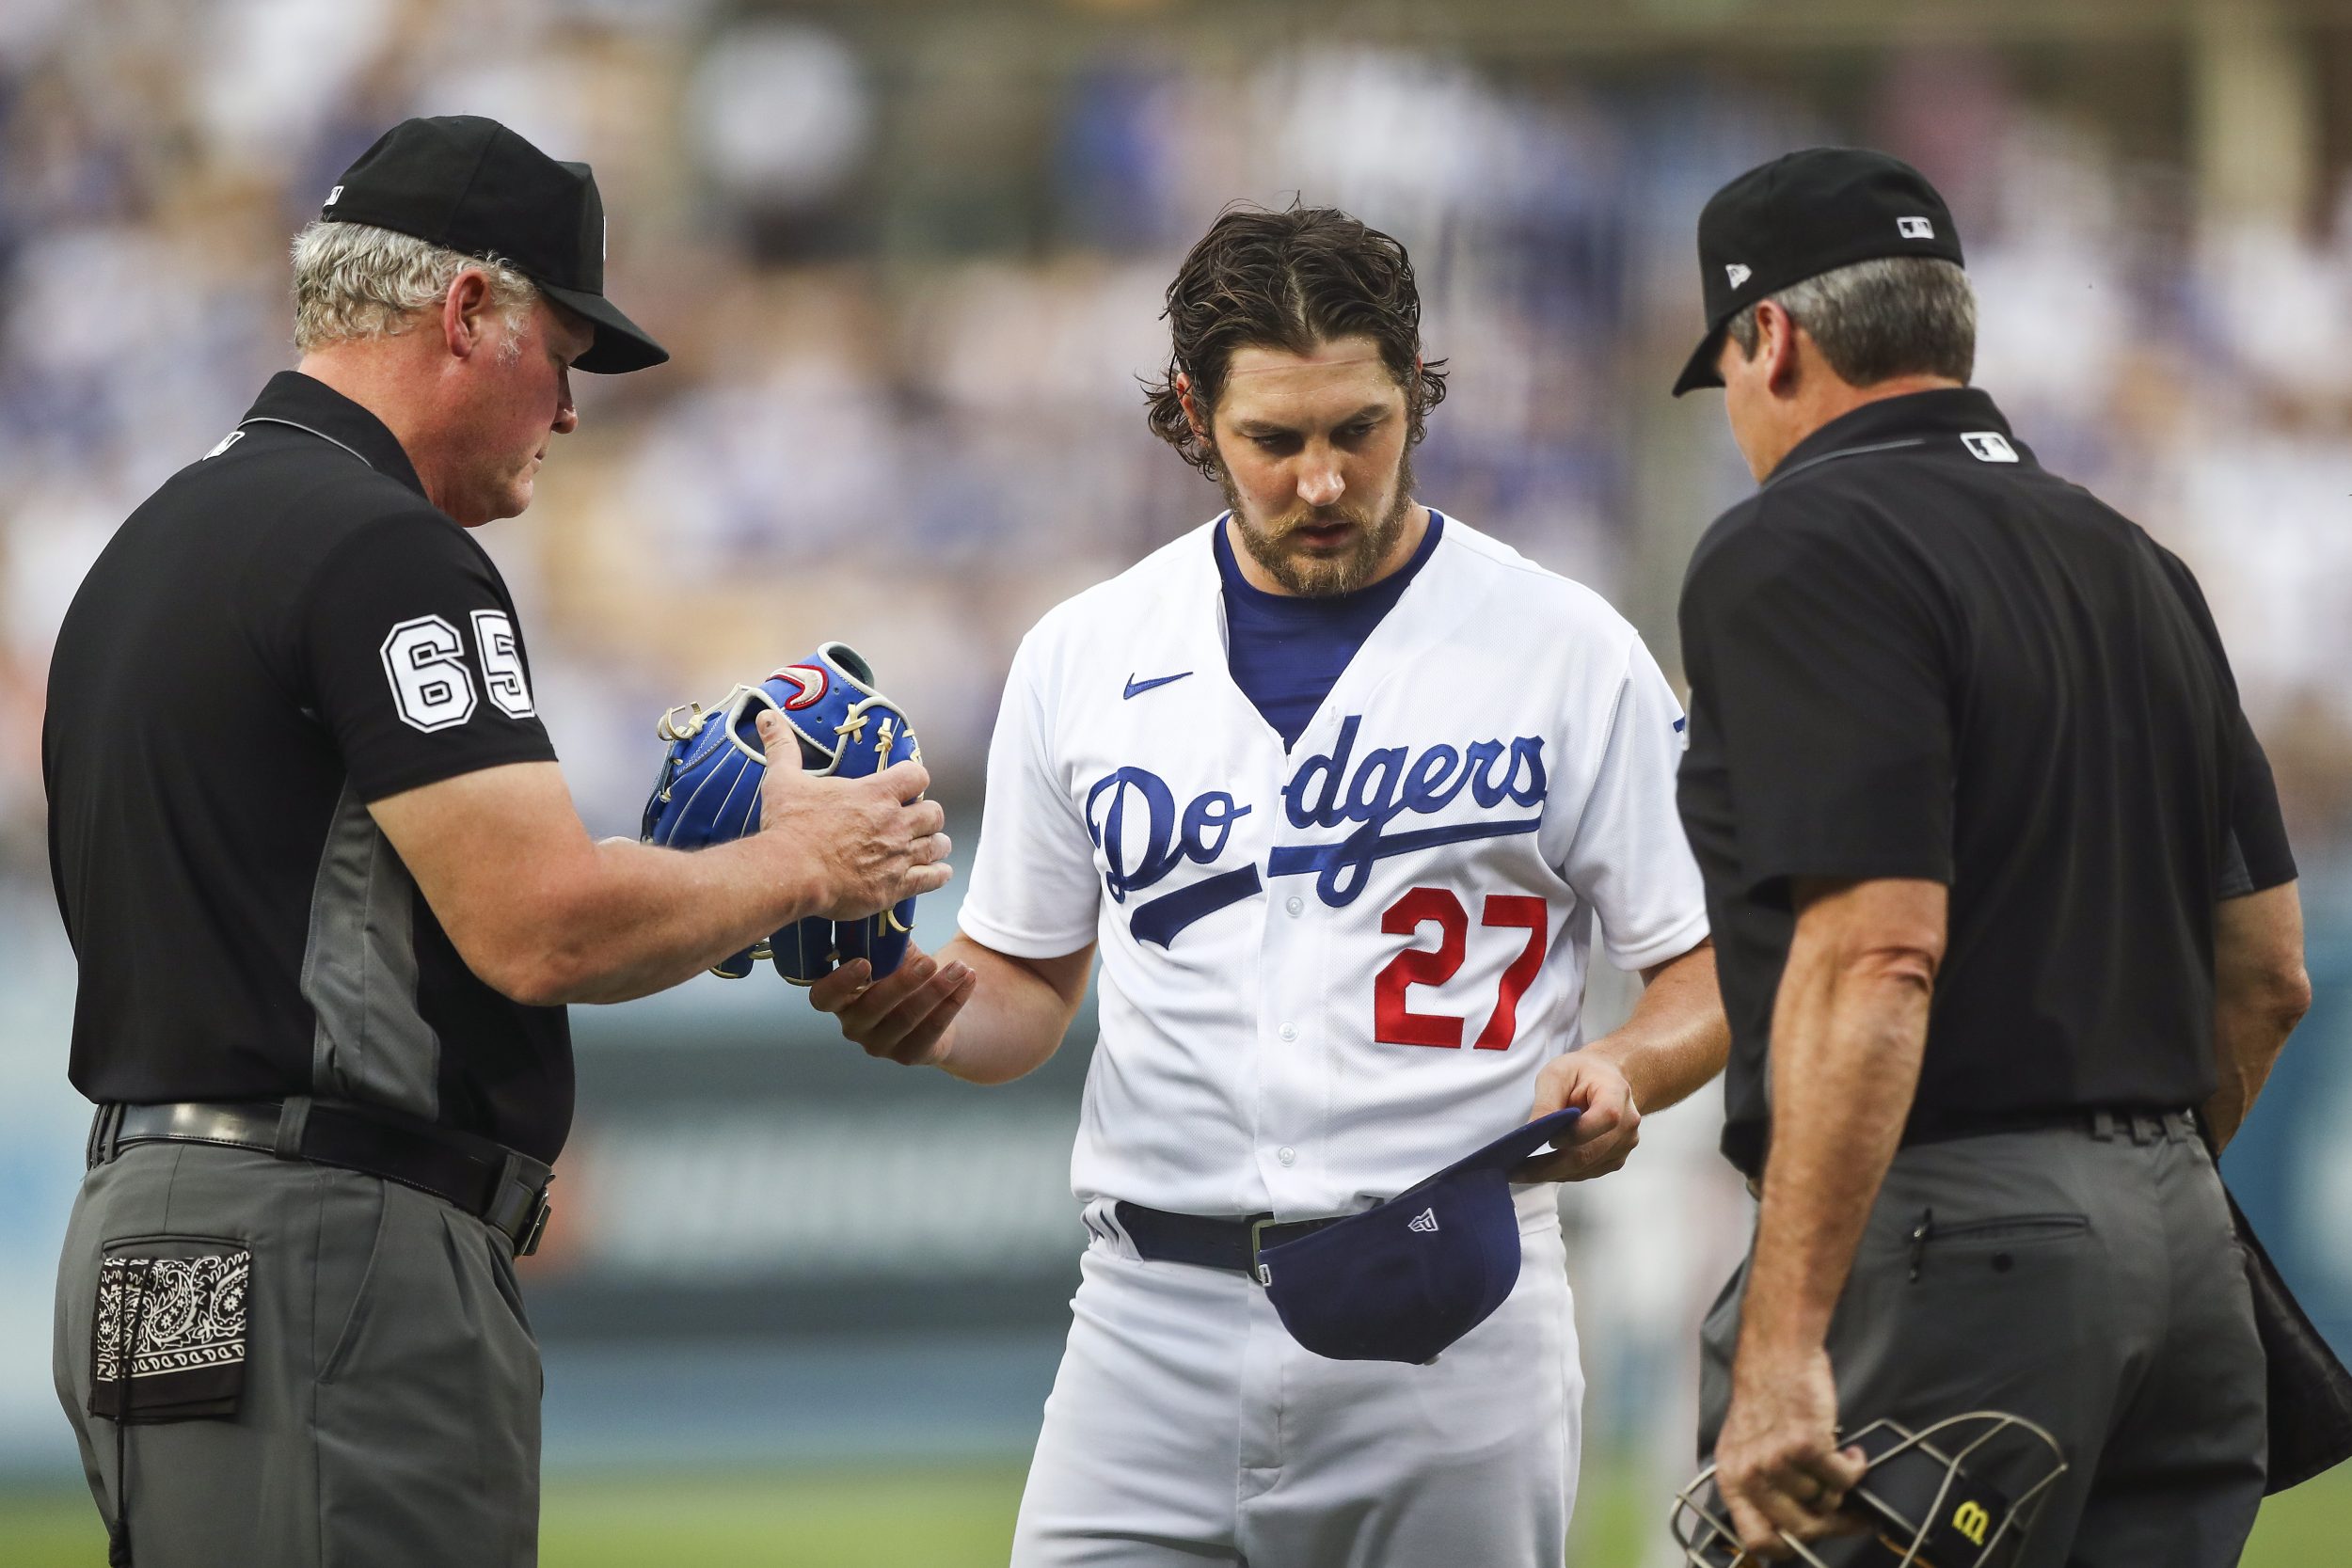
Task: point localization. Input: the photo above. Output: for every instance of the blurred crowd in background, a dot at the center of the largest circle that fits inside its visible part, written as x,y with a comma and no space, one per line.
909,261
908,256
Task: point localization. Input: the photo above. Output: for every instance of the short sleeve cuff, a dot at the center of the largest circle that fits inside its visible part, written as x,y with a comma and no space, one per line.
1852,865
1016,943
523,747
2262,854
1686,935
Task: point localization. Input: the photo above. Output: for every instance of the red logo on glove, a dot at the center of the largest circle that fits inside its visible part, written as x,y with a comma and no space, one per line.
810,678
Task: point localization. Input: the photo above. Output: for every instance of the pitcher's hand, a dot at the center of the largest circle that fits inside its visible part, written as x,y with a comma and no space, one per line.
906,1014
1598,1141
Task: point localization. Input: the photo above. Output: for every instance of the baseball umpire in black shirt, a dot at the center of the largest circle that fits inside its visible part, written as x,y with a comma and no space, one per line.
328,895
2003,906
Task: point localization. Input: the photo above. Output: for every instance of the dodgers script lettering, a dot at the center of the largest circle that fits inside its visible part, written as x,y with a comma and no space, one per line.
1132,819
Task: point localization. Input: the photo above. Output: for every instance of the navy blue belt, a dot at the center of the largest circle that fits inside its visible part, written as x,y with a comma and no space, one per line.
1207,1241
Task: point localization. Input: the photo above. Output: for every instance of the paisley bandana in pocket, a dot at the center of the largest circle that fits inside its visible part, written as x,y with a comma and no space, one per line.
168,1342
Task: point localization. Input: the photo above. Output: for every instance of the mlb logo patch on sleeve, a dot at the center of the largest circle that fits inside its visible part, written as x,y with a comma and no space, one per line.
1988,446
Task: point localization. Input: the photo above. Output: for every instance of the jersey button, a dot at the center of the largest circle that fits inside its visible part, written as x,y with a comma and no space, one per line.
1294,904
1287,1031
1286,1155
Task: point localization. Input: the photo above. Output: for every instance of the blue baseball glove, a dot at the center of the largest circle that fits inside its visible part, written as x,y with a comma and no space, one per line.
708,792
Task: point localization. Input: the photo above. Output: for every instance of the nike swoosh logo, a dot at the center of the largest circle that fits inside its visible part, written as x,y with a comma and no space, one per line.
1136,688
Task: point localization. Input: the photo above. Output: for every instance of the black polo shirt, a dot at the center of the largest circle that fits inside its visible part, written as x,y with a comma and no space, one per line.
284,632
1914,652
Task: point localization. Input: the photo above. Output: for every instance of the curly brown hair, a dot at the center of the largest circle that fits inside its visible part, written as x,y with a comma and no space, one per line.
1287,280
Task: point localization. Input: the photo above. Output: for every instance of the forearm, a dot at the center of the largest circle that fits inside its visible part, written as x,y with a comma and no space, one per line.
634,919
1676,1038
1848,1036
2261,992
2246,1046
1017,1015
1850,1028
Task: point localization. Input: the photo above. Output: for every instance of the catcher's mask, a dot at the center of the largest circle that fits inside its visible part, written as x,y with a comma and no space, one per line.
1918,1504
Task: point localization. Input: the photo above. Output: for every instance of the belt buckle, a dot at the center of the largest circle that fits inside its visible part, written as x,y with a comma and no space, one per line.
1257,1238
517,1176
534,1225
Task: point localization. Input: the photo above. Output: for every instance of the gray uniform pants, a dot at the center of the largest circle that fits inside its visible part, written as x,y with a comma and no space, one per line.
390,1412
2093,1285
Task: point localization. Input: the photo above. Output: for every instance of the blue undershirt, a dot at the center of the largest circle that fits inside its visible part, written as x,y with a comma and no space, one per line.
1286,650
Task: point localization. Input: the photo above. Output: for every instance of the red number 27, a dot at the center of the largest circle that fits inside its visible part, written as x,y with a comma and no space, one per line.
1394,1023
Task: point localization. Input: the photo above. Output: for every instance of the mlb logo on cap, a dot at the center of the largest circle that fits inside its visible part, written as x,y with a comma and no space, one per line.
1403,1281
1799,217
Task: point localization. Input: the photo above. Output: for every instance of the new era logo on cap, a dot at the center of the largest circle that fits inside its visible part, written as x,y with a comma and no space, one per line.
1738,274
1914,229
333,197
1357,1289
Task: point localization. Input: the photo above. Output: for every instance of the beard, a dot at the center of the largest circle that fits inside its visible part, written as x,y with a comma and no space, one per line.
1274,546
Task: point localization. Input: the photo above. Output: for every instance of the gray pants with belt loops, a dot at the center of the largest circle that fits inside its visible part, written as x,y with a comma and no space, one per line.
388,1412
2091,1284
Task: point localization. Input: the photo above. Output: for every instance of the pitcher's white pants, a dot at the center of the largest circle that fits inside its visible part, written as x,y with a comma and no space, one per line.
1186,1427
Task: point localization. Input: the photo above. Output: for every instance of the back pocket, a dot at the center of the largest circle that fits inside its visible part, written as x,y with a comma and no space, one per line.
168,1331
2009,1228
1997,1242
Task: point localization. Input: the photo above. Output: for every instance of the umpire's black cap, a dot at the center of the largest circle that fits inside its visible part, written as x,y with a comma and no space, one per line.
476,187
1799,217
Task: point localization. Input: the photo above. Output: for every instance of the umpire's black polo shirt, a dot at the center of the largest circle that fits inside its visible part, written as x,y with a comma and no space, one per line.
284,632
1914,652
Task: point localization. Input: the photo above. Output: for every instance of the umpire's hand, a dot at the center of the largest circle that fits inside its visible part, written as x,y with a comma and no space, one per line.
904,1015
1777,1462
862,843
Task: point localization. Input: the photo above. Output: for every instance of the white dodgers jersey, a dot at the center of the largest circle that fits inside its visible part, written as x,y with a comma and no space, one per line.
1332,970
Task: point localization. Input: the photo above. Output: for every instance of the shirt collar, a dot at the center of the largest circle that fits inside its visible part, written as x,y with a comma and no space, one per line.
1913,418
310,405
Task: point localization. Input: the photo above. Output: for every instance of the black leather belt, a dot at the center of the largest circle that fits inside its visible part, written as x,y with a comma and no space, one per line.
2140,1124
2145,1127
504,1190
2136,1124
1209,1242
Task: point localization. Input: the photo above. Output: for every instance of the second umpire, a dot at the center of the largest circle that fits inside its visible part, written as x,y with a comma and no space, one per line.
327,893
2003,906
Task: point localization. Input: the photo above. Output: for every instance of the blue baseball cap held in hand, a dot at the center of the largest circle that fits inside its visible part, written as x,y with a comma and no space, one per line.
1403,1281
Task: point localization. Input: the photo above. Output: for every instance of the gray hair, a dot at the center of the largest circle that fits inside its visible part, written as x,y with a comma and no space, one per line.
354,281
1895,315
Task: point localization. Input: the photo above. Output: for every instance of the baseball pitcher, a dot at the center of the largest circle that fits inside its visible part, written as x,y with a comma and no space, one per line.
1343,792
